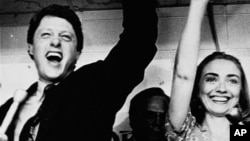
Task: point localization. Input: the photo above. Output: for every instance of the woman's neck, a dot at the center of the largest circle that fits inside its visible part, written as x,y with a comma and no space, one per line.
217,127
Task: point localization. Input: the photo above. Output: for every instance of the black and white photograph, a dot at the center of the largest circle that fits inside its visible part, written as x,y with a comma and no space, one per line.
124,70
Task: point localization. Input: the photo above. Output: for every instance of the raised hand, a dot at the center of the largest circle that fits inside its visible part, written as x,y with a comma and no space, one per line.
3,137
19,96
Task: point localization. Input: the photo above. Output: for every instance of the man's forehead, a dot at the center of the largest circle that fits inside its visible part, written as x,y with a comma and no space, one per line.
156,103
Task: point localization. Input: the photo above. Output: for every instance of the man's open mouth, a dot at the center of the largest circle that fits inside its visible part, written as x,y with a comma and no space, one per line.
54,56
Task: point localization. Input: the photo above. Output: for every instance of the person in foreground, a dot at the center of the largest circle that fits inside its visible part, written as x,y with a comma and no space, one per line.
80,104
147,115
207,99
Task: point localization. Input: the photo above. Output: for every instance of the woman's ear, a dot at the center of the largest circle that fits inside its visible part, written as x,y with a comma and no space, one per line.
30,51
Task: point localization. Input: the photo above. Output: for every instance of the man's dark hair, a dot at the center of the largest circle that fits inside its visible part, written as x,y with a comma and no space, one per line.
140,100
58,11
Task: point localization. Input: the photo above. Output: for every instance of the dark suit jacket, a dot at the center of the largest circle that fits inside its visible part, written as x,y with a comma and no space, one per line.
84,105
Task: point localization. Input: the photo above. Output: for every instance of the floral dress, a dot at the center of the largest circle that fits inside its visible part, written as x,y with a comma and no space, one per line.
190,131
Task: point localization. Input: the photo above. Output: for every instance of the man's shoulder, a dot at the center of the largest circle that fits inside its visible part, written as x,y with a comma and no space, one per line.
85,74
89,66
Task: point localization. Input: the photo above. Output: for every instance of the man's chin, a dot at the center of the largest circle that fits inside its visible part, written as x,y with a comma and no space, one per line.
54,79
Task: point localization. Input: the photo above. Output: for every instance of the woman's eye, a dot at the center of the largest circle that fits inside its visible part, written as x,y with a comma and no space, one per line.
210,79
233,81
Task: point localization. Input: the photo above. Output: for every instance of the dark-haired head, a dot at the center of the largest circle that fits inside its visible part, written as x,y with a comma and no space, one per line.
148,112
197,107
140,100
58,11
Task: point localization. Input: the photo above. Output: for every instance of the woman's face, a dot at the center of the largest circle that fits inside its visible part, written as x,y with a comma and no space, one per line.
220,86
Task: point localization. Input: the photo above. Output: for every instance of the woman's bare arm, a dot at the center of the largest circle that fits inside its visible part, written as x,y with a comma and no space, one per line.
186,64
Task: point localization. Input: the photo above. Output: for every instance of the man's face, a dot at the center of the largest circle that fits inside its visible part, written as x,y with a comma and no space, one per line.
155,114
54,49
151,122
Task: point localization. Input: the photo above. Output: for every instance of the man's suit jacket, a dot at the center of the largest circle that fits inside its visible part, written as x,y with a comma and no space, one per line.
84,105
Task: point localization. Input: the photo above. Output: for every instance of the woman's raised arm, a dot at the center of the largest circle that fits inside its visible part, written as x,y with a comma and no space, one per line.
186,64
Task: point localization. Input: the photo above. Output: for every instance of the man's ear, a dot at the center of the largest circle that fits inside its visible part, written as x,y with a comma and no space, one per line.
76,59
30,51
78,55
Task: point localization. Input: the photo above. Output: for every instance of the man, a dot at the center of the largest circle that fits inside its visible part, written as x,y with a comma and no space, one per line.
81,104
147,115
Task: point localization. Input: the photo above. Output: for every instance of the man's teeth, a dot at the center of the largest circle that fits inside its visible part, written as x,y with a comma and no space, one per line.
54,56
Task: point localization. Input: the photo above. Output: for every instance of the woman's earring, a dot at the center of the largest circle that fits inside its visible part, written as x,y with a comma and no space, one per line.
235,114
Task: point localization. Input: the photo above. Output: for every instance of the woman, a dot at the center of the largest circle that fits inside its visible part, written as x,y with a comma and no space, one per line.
206,100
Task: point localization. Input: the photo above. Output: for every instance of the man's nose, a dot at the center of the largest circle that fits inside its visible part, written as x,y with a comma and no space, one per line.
55,42
158,118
